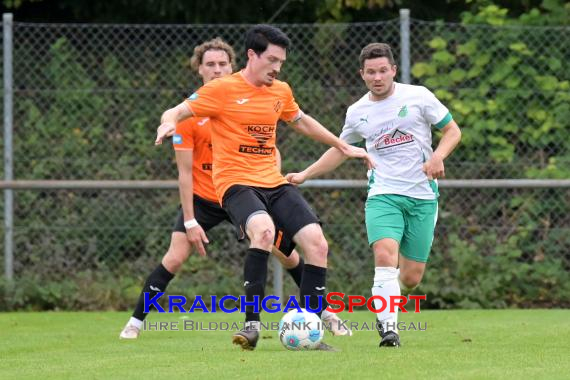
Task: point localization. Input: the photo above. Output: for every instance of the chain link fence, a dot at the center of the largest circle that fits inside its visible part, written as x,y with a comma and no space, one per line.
88,98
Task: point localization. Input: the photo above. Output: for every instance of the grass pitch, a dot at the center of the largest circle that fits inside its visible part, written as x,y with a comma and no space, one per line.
470,344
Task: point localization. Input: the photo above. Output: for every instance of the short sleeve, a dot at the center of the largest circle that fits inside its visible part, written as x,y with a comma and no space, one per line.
208,100
290,109
183,138
349,133
435,112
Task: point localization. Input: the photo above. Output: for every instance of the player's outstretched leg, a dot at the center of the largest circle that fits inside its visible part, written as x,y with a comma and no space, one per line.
294,264
255,276
387,338
334,324
158,281
312,289
385,286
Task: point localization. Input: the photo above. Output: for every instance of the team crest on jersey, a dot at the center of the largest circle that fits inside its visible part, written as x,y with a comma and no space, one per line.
194,96
403,111
393,139
277,106
177,139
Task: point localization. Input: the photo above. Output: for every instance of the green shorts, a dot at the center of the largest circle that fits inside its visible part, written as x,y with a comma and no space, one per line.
409,221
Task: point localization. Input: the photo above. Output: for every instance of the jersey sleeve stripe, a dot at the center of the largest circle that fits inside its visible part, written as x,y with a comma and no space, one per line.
444,121
296,118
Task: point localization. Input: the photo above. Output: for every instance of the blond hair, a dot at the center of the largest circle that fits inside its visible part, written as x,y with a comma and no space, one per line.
215,44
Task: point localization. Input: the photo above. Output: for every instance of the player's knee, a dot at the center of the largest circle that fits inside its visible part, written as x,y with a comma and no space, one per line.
385,253
175,257
319,248
385,258
410,280
267,236
263,238
172,263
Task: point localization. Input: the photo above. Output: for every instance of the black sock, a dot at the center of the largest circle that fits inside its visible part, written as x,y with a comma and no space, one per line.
313,285
254,276
297,272
158,279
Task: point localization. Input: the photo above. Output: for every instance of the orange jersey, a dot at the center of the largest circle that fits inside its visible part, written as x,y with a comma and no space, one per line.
194,134
244,123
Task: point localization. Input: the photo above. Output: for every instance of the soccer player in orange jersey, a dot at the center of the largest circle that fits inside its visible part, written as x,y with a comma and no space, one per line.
244,109
200,209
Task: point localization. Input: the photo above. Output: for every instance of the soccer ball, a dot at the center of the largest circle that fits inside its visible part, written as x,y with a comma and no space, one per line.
300,330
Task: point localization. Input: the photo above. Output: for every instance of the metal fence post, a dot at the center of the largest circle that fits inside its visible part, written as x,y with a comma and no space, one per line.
277,278
405,46
7,20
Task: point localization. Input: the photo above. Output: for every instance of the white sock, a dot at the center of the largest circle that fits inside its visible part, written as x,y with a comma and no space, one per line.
386,284
136,322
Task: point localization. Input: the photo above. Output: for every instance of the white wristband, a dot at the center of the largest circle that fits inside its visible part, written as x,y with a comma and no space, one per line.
191,223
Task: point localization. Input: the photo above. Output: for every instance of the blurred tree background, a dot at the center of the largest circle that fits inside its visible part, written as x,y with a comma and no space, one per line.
88,96
259,11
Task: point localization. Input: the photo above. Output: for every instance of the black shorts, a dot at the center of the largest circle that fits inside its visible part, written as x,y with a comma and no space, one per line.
283,242
207,213
285,204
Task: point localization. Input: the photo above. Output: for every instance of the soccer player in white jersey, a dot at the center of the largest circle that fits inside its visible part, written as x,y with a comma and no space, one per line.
395,121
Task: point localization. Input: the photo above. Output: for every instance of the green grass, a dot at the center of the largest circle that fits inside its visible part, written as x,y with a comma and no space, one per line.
480,344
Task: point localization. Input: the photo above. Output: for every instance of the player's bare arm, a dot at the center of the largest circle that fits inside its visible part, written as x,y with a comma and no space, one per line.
328,162
310,127
434,167
169,119
194,232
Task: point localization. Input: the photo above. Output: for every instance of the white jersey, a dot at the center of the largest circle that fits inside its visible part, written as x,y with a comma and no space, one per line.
397,131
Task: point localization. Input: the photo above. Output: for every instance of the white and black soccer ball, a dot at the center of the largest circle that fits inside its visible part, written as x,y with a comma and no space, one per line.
300,330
